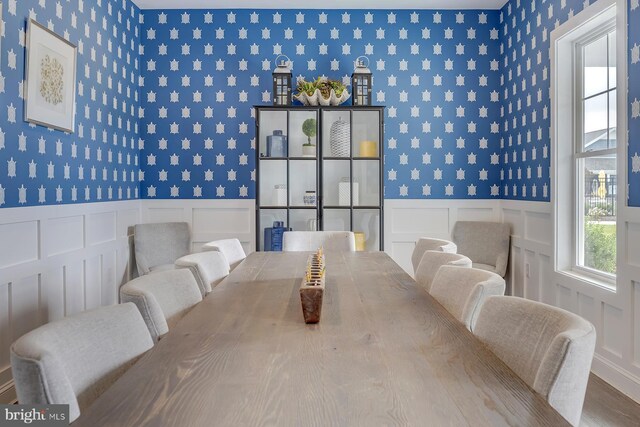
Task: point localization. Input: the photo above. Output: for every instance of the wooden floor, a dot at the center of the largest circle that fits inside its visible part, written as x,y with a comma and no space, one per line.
606,406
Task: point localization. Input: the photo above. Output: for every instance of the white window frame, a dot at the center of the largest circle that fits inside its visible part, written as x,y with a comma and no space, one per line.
564,99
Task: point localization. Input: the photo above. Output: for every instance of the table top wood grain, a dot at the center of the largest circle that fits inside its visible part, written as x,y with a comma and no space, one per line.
384,353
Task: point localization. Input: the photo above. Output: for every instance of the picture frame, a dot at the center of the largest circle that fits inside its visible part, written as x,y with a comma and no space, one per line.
1,31
50,84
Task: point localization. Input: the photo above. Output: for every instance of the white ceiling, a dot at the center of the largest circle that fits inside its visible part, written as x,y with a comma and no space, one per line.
326,4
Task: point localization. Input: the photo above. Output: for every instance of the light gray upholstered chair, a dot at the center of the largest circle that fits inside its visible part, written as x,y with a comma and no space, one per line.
208,268
159,245
75,359
428,244
431,263
486,243
549,348
230,248
462,291
163,298
332,241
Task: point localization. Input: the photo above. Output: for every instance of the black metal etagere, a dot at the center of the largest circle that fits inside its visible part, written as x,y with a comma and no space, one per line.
285,116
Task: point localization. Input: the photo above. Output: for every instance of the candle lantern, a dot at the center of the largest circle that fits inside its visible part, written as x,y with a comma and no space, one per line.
282,81
361,82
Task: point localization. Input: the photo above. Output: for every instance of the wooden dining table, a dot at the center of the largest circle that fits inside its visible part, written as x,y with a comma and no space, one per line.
384,353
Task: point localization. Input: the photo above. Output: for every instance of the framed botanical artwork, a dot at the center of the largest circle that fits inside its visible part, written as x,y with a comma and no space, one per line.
1,31
50,79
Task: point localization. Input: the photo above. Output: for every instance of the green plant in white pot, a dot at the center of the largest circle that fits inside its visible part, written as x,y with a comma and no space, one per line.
309,129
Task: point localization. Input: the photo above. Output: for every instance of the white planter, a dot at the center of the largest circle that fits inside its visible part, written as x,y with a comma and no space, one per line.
309,150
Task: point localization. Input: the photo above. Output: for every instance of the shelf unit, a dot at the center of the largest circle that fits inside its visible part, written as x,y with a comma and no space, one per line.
322,173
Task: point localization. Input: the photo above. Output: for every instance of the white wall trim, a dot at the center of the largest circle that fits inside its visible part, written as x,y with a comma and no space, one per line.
617,357
405,221
209,219
70,258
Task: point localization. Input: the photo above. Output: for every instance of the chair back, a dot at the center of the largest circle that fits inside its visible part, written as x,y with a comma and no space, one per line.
331,241
431,263
208,268
549,348
75,359
163,298
231,249
428,244
463,291
160,244
484,243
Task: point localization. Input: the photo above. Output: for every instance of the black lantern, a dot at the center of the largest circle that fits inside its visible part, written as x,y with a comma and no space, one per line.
361,82
282,81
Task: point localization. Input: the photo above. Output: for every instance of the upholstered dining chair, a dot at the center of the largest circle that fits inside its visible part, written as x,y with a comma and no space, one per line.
208,268
75,359
431,263
163,298
159,245
463,291
428,244
549,348
485,243
230,248
333,241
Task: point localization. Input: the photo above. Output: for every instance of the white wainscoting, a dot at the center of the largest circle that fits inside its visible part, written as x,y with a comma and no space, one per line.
405,221
75,257
208,219
614,313
56,261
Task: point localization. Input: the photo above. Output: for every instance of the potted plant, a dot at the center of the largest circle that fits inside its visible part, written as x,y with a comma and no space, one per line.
309,129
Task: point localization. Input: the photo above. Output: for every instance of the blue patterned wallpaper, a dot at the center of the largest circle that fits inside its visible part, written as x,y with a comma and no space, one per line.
99,162
526,146
634,102
453,91
436,71
525,39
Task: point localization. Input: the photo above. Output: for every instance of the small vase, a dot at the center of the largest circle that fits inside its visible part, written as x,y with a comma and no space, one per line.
277,144
340,138
279,195
309,198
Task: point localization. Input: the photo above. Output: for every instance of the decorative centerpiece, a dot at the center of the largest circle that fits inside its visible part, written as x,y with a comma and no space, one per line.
312,287
322,91
309,129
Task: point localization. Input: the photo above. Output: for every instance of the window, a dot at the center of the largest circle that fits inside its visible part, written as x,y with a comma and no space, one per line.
586,147
595,142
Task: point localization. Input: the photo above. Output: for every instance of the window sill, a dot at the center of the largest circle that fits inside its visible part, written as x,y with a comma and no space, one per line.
590,280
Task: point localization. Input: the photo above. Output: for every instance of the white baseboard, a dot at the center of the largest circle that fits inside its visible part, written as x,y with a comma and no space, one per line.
623,380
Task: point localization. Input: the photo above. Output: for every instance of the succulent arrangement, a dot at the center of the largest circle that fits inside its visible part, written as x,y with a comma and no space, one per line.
323,84
321,91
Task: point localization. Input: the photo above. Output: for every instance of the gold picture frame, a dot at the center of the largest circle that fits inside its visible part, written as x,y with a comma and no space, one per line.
50,83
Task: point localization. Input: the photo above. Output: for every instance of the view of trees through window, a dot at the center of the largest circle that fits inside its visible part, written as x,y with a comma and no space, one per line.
596,154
